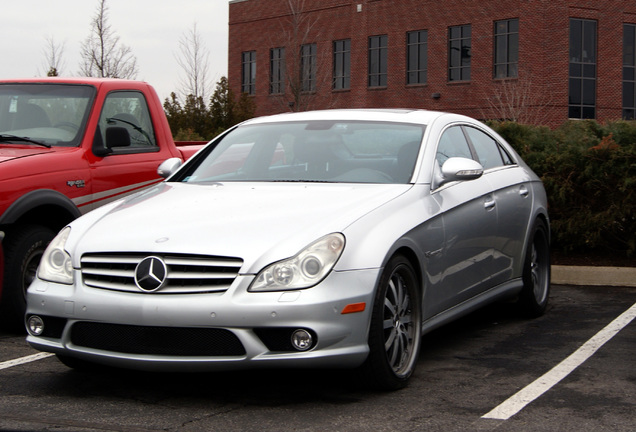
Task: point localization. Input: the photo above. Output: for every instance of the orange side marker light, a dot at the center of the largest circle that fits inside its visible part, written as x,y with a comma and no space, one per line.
354,308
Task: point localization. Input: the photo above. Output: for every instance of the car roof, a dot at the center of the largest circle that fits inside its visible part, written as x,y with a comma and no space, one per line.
416,116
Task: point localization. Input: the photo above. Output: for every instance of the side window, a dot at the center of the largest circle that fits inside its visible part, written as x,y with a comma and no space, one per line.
125,125
452,144
486,147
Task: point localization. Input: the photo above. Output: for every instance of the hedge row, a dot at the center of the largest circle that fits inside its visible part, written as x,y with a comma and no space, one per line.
589,172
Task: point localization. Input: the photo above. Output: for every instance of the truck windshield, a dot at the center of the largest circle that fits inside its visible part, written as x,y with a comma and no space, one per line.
50,114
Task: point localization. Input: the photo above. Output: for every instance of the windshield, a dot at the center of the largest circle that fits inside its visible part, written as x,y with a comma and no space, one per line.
50,114
313,151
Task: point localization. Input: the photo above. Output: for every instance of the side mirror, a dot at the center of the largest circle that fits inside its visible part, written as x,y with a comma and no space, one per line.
461,169
168,167
117,137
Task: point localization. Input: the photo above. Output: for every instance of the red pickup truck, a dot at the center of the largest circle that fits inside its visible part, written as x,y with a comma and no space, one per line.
68,146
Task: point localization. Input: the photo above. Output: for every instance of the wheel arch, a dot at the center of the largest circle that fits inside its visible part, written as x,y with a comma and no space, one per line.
43,207
411,256
539,216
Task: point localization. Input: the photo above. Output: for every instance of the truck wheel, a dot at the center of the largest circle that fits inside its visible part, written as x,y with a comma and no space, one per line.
23,249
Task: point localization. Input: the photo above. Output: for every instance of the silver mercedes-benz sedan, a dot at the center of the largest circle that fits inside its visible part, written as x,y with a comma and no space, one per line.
317,239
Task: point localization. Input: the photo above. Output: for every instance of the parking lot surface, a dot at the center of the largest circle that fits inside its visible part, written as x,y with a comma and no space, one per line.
465,372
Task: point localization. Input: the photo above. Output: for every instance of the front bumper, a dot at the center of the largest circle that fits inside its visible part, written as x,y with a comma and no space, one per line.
341,339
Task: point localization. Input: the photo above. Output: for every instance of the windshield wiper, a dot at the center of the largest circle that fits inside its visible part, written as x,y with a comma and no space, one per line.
11,138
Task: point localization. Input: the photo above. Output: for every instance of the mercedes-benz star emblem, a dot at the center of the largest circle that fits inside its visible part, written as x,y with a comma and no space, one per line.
150,274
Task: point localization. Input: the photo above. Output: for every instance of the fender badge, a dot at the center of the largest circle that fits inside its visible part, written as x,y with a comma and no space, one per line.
77,183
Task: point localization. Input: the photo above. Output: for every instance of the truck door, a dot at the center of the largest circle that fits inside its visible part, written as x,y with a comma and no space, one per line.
125,149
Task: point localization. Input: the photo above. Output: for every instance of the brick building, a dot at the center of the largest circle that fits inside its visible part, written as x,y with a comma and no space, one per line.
537,61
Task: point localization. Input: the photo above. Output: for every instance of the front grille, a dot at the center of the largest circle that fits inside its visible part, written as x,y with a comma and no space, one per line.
167,341
186,273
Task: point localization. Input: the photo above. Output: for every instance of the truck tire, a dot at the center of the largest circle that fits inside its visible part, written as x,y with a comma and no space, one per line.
23,249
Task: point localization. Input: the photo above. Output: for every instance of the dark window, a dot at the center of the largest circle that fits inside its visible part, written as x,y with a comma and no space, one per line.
416,57
341,64
277,70
506,49
487,149
378,60
582,94
126,110
452,144
308,67
629,71
248,62
459,53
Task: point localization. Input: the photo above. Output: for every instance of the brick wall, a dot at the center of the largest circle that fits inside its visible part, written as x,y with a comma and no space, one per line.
259,25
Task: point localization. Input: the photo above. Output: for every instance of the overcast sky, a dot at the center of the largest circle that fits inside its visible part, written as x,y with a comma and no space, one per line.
151,28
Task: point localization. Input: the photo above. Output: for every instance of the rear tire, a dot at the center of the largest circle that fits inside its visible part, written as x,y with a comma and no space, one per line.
396,325
533,299
23,250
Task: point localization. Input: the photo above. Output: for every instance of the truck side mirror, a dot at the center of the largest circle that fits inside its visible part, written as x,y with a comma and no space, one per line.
117,137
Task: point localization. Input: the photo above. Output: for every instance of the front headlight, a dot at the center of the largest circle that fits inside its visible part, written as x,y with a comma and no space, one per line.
56,265
306,269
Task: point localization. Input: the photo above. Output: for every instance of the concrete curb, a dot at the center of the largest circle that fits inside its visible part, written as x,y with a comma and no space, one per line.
594,276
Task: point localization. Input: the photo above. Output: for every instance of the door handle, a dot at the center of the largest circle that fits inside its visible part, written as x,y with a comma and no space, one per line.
489,203
523,191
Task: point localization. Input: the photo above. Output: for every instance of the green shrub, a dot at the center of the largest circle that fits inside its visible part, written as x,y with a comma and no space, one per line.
589,172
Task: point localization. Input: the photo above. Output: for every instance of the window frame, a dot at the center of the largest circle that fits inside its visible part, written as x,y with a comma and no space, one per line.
417,57
629,72
277,70
248,72
308,67
582,73
506,49
341,64
459,67
378,61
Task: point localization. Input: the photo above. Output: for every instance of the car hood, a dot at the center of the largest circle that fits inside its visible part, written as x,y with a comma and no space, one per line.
12,152
258,222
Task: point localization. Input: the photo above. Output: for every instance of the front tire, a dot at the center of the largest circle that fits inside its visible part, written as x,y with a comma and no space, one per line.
396,325
23,250
533,299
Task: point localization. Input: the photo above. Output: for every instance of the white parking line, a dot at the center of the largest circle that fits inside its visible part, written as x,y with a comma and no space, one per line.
22,360
517,402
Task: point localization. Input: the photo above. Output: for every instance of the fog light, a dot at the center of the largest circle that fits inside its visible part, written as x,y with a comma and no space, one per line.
36,325
302,340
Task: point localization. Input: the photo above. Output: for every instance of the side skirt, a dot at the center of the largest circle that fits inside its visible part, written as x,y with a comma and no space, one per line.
506,290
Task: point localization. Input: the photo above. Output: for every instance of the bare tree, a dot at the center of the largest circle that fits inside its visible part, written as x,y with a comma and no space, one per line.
53,53
302,81
102,53
193,59
519,100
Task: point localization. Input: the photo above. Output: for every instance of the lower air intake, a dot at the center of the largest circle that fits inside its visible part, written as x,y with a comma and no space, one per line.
166,341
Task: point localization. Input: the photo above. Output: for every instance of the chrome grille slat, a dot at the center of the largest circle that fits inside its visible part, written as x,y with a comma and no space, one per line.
108,272
196,275
186,273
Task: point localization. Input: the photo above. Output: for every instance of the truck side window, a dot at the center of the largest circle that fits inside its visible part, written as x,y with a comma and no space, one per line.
126,111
